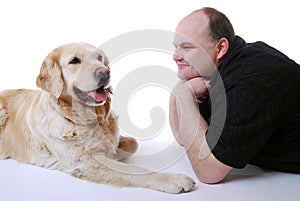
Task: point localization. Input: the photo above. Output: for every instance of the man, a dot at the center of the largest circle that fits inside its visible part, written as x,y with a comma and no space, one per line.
237,103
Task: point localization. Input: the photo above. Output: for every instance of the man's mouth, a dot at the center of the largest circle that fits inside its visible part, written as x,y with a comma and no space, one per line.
182,65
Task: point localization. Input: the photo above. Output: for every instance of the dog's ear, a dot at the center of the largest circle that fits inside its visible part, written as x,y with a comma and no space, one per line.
50,78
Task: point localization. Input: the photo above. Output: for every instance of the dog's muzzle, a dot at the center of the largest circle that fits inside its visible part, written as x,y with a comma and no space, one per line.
99,95
102,75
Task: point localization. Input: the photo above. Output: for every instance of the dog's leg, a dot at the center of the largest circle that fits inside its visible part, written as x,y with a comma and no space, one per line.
108,171
127,147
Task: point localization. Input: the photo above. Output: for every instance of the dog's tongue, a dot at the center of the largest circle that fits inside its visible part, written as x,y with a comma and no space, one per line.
98,95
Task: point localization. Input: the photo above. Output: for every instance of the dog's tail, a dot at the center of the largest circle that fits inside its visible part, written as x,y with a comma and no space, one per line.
3,117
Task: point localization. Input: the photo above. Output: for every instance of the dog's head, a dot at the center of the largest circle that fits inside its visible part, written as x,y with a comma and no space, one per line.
76,71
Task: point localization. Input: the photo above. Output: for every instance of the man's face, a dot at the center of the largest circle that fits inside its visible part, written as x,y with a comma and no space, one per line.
195,54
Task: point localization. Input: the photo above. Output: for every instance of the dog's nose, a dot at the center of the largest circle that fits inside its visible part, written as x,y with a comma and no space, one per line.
102,74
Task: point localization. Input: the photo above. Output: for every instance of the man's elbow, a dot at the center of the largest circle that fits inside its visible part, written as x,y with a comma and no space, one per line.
213,173
210,178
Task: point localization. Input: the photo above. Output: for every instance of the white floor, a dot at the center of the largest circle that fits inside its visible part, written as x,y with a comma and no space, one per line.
21,182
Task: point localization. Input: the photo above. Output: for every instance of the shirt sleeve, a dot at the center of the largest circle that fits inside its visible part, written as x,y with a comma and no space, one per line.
251,119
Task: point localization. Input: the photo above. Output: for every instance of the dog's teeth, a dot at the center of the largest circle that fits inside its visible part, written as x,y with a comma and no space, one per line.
106,87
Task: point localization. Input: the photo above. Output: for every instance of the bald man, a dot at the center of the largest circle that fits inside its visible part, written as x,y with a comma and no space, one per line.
237,103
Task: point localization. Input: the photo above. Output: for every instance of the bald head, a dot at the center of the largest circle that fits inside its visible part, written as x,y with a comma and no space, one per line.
207,22
194,25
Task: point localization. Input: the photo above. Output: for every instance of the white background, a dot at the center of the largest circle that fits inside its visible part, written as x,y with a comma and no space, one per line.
31,29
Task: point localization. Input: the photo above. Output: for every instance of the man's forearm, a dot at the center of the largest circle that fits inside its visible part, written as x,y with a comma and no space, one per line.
192,129
173,118
191,123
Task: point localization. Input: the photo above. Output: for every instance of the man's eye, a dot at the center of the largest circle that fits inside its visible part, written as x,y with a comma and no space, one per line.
100,58
187,47
75,60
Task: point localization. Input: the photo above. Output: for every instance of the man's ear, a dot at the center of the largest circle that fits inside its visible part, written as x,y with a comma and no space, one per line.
222,48
50,78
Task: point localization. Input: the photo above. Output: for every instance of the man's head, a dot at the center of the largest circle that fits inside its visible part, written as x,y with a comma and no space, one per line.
202,39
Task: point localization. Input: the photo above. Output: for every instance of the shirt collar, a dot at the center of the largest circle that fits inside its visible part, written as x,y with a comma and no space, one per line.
237,43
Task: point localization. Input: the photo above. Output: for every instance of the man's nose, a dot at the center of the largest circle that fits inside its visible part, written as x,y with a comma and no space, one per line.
177,57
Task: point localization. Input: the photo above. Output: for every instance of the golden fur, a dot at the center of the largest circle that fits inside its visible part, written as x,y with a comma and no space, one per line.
68,125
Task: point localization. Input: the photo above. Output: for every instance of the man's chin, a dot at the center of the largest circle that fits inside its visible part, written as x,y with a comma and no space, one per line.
186,77
183,77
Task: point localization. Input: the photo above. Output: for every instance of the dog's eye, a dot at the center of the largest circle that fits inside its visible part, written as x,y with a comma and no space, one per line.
75,60
100,58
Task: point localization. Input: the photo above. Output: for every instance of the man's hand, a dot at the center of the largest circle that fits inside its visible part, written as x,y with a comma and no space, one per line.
199,87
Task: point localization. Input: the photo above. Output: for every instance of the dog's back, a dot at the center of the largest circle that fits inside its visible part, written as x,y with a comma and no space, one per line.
14,133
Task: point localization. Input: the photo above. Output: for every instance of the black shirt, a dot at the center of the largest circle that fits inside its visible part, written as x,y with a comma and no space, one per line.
255,108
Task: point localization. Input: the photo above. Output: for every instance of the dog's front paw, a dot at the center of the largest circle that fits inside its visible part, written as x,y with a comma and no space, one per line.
175,183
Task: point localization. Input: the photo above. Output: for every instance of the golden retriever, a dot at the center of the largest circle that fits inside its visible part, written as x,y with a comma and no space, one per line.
69,126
